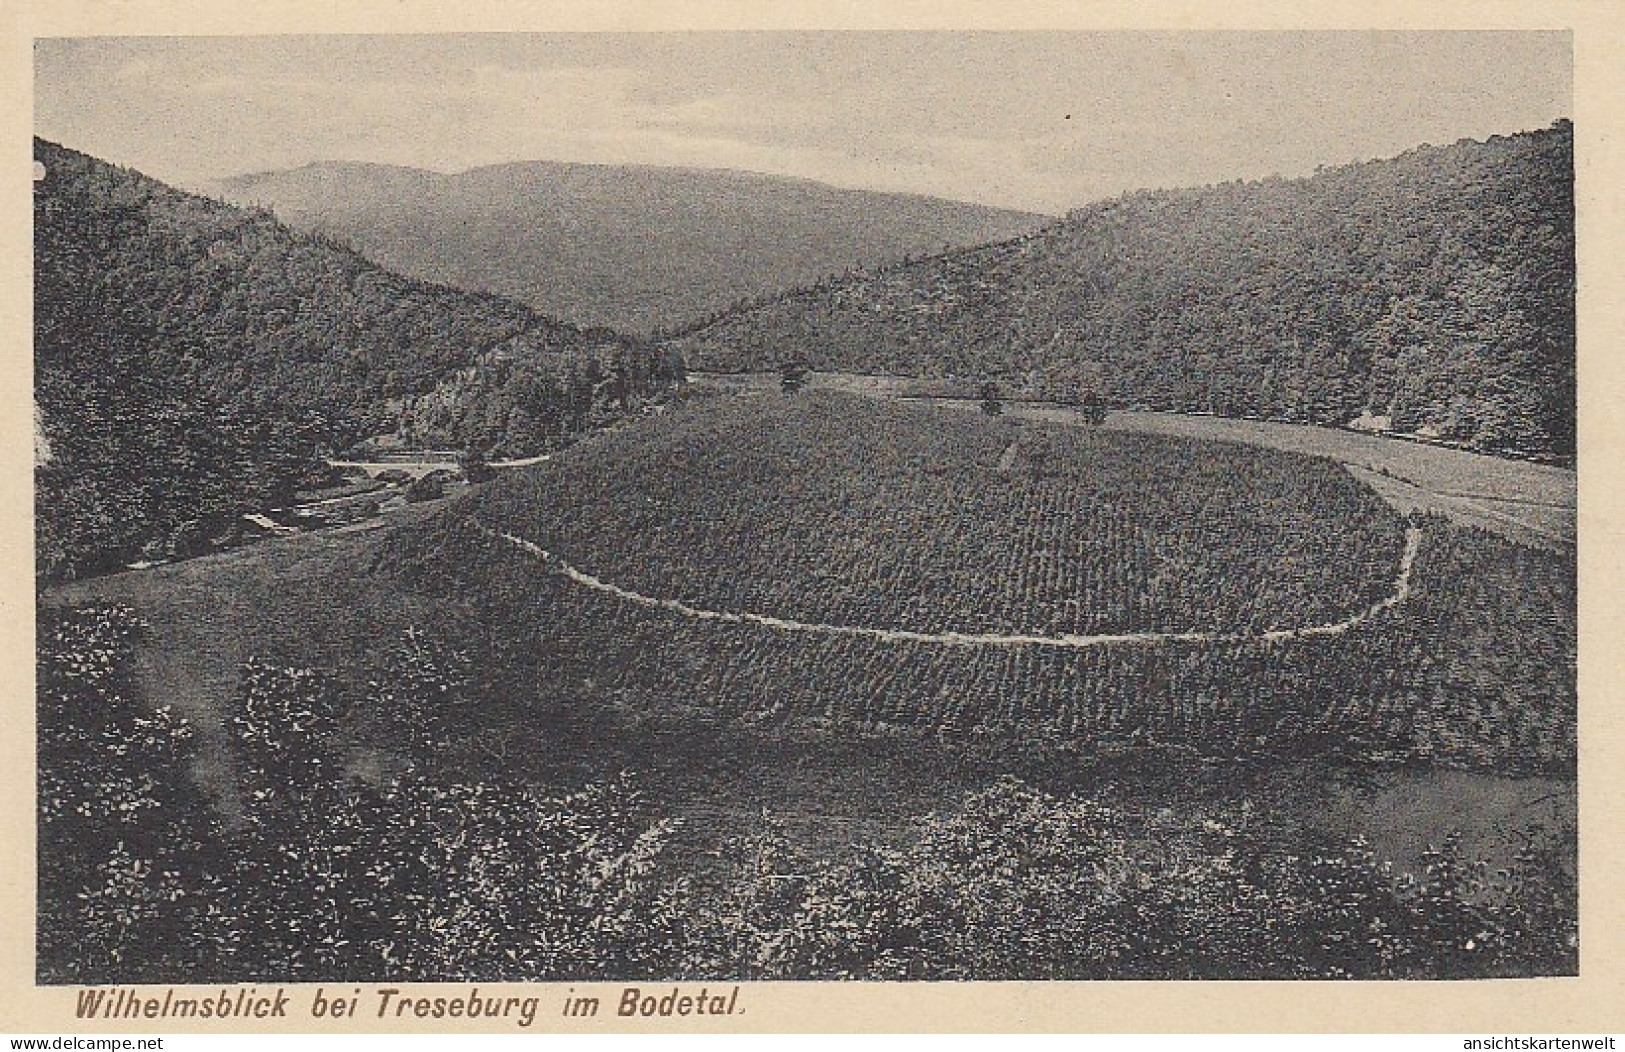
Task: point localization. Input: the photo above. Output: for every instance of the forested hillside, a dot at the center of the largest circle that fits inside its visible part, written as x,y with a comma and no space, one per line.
632,246
1431,294
192,360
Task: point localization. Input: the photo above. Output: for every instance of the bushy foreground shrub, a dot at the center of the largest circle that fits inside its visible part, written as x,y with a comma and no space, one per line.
318,874
1017,884
122,828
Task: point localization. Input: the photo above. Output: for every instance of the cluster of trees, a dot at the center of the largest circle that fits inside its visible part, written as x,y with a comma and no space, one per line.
1476,668
192,360
837,509
310,873
518,400
423,875
124,833
1015,884
1434,291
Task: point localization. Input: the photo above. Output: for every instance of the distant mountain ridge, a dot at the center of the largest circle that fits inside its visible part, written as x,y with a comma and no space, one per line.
1432,293
633,247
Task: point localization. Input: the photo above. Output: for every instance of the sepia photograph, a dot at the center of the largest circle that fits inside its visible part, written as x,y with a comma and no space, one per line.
692,509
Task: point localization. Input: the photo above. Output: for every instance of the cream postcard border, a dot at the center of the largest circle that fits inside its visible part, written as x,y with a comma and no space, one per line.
1593,1003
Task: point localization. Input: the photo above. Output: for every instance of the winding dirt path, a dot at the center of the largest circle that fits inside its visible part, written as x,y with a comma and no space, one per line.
1401,592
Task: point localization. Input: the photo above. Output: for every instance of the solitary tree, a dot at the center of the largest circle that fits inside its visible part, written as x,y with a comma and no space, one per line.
1039,453
1092,408
475,464
1077,382
990,399
793,375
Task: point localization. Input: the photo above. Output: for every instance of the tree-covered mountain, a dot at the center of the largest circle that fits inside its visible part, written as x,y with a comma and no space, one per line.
1431,293
192,359
631,246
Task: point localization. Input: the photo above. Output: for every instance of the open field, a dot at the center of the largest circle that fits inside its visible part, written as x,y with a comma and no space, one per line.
675,563
1066,641
1530,503
842,511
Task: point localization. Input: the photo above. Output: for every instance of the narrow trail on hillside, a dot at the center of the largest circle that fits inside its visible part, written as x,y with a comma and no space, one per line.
1401,592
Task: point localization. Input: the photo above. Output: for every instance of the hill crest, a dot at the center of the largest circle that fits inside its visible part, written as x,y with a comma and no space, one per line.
633,247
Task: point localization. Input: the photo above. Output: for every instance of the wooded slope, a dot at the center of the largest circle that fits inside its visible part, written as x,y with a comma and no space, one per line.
192,359
1435,290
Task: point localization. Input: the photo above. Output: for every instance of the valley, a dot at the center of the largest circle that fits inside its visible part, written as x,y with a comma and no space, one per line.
1151,593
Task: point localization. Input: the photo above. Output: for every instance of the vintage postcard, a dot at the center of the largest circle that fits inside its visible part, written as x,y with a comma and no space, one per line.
747,519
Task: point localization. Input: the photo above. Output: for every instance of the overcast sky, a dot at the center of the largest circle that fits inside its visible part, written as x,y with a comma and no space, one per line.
1043,121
